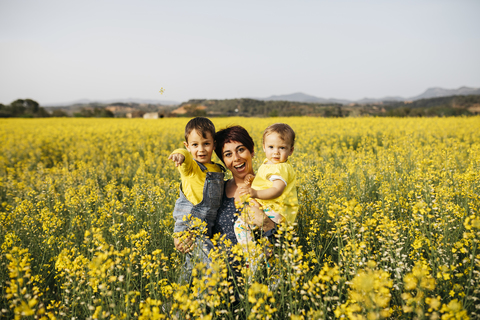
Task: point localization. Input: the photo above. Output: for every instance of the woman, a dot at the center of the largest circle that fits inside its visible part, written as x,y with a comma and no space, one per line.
235,148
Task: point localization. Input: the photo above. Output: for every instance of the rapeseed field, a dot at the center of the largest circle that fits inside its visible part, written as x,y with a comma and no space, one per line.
389,223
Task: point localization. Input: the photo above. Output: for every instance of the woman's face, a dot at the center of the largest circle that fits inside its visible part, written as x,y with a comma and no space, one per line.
238,159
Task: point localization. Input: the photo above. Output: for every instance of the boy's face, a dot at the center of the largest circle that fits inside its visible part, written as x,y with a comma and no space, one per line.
276,149
201,148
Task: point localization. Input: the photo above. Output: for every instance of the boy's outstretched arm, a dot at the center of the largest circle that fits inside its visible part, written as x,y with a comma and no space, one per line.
183,161
271,193
178,158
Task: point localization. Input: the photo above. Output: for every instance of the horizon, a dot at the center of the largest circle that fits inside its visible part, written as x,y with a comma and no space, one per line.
171,102
333,50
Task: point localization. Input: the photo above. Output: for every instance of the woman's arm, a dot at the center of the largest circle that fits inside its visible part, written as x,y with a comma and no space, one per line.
259,218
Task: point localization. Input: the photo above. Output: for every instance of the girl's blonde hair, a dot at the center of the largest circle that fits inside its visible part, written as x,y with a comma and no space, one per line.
284,130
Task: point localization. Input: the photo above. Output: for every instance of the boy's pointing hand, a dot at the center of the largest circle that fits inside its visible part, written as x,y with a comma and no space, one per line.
178,158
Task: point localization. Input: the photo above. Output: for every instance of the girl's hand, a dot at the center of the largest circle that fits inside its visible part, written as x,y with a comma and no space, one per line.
184,246
248,179
178,158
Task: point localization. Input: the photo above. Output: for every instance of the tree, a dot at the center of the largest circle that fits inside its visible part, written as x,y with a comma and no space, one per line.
18,108
59,113
26,108
5,111
96,112
102,113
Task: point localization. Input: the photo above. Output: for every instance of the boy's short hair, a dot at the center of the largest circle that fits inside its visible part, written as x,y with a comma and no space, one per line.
202,125
284,130
233,133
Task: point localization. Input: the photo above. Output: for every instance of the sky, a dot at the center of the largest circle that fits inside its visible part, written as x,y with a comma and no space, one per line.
62,51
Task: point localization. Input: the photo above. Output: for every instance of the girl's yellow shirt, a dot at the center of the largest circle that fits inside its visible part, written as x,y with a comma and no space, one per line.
287,203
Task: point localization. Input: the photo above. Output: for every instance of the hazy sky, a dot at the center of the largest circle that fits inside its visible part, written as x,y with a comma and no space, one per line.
61,51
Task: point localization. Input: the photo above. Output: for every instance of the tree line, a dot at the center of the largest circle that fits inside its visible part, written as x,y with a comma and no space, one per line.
260,108
28,108
433,107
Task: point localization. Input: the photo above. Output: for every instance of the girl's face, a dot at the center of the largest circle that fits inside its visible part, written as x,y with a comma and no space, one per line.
276,149
238,159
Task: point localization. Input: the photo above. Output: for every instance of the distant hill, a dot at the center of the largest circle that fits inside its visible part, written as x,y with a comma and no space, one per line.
435,92
441,106
298,97
302,97
117,108
440,92
127,100
429,93
373,100
457,105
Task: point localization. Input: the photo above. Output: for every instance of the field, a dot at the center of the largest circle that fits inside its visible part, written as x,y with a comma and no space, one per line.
389,224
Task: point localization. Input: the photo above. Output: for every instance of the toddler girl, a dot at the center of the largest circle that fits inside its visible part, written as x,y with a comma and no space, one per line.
274,186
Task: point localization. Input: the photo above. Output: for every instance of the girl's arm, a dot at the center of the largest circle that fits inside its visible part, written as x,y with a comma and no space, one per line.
271,193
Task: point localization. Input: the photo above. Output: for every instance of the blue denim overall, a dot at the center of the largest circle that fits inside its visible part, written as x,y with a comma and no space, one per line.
206,211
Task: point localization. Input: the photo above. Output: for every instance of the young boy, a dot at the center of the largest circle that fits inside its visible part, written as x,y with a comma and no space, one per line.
274,186
202,185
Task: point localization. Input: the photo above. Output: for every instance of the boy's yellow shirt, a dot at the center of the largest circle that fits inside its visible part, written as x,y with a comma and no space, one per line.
193,178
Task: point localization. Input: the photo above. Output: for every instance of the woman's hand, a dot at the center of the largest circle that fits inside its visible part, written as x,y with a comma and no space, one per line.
184,245
259,218
247,190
